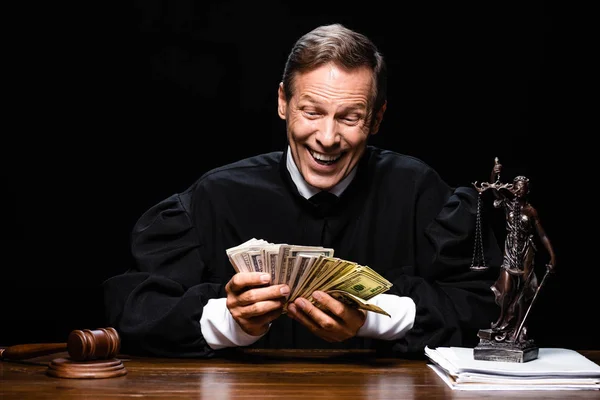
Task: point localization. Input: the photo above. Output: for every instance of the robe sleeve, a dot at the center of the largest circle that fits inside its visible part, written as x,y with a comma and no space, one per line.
452,301
157,304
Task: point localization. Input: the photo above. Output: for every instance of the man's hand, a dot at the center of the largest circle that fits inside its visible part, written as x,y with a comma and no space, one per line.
331,320
253,303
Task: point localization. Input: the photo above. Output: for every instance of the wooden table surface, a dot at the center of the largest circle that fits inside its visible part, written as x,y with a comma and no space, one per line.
268,375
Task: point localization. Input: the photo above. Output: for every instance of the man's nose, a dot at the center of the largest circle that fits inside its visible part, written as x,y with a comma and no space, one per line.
329,134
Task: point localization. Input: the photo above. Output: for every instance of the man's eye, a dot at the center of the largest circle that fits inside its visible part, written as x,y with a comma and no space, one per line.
311,113
351,119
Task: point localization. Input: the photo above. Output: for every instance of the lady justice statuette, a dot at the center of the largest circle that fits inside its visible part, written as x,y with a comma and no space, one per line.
516,287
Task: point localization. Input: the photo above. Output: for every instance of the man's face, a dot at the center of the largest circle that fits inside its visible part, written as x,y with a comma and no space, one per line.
328,123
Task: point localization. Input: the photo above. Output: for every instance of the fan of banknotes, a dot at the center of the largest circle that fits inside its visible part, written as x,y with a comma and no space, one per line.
308,268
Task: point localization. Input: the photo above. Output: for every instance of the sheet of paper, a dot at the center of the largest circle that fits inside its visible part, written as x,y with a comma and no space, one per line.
514,385
554,369
550,361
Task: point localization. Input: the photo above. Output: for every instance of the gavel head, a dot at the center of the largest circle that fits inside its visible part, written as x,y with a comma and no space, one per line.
103,343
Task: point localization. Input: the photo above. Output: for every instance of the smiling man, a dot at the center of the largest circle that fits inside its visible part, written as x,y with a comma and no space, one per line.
330,116
388,211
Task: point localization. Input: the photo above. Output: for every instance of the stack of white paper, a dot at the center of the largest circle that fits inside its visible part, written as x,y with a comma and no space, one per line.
554,369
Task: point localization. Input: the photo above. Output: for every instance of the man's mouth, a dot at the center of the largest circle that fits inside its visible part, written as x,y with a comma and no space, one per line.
325,159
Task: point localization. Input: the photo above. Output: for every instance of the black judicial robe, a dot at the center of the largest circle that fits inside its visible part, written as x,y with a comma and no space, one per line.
397,216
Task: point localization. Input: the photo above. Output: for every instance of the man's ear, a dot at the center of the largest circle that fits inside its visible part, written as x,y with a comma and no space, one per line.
378,119
281,102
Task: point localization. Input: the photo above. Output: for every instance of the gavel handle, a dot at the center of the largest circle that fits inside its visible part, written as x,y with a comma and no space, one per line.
23,351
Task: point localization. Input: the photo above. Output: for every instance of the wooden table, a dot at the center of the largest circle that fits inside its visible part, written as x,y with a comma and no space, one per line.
268,375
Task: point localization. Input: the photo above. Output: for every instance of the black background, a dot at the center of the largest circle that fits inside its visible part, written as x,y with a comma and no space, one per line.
112,108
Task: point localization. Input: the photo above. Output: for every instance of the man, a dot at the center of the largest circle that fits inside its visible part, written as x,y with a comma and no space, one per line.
391,212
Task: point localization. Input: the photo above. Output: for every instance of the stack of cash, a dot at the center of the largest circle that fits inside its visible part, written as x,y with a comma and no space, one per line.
308,268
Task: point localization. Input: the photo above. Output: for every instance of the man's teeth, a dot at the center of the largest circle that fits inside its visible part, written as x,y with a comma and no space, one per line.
325,157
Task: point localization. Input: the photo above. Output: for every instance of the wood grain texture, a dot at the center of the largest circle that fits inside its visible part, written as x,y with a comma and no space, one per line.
287,376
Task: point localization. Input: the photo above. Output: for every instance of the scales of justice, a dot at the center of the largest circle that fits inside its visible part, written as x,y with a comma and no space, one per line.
517,286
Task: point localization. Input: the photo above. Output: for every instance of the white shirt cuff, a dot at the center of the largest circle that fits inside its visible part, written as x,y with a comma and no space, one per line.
219,328
378,326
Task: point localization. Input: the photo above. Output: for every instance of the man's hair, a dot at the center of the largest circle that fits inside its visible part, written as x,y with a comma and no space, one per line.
341,46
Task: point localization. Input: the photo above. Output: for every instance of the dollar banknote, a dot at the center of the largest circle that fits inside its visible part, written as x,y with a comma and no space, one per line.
308,268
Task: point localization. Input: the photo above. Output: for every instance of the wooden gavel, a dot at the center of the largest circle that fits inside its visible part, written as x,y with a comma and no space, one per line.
82,345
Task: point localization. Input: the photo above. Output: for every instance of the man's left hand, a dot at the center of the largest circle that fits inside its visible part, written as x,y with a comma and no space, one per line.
331,320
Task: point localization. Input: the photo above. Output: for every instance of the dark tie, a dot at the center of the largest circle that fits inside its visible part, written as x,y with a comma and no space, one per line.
324,202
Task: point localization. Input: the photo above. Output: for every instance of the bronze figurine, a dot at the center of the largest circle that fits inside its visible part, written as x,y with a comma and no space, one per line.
517,286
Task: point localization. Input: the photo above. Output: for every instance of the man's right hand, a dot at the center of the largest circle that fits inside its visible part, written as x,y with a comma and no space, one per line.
253,303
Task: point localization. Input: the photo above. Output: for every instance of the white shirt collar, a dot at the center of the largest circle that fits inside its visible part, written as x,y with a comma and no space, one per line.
307,190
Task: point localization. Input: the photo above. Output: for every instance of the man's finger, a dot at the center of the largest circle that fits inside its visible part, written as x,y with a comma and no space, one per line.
348,315
258,325
258,309
329,304
317,316
261,294
299,315
244,280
